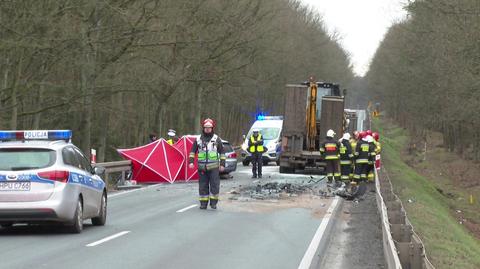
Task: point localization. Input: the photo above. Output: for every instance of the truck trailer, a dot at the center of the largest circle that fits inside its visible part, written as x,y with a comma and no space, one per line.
311,108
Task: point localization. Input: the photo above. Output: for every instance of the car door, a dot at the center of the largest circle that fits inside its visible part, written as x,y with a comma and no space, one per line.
90,186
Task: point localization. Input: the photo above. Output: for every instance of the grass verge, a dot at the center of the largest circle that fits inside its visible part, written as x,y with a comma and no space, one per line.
448,243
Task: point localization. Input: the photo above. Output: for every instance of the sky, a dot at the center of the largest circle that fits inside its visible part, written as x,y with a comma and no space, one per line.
360,24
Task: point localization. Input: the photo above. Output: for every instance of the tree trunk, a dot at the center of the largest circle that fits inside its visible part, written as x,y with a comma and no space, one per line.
16,85
198,110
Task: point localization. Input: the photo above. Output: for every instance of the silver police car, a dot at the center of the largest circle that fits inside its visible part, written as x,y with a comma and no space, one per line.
44,178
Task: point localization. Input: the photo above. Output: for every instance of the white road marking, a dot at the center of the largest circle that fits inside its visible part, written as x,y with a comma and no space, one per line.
186,208
130,191
317,238
107,239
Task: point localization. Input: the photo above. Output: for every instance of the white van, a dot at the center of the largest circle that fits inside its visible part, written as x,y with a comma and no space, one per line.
270,127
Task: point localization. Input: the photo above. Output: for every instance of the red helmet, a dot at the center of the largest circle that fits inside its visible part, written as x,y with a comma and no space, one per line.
208,123
362,134
376,136
369,132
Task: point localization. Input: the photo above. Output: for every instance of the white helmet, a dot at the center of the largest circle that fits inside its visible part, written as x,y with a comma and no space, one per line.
369,138
330,133
346,136
171,132
255,130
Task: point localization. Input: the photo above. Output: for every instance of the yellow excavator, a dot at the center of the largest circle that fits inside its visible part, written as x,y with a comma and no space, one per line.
311,108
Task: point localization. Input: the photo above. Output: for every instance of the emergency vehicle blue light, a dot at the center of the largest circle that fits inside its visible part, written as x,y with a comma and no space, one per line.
260,117
263,117
37,135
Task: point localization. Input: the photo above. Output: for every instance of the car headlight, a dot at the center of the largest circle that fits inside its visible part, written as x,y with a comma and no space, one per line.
271,146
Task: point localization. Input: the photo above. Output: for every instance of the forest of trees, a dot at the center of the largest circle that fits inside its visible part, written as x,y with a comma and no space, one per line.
426,72
114,71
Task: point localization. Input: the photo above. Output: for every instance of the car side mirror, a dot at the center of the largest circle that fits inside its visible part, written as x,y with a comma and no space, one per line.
98,170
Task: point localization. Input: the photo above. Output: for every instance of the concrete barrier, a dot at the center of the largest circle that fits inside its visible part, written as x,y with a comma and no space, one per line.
401,245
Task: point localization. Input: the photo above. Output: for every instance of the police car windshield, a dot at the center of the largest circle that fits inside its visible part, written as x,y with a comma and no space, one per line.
16,159
268,133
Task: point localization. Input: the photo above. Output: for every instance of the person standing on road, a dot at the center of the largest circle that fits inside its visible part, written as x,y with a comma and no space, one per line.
363,153
371,160
330,150
255,147
353,143
378,149
346,156
211,161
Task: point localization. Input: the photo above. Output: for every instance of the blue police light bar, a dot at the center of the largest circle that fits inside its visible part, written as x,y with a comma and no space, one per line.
36,135
263,117
260,117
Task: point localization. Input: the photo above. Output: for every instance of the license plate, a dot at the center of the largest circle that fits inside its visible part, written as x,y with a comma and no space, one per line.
15,186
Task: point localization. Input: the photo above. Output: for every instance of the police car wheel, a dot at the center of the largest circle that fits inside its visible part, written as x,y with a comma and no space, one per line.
77,221
101,219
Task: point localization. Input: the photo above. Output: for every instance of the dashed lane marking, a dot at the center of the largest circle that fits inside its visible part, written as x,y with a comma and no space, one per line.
186,208
106,239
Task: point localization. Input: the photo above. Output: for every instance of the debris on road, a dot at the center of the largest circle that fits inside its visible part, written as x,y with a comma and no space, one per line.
274,190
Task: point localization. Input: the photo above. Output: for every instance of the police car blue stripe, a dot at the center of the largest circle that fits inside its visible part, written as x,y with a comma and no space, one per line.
74,178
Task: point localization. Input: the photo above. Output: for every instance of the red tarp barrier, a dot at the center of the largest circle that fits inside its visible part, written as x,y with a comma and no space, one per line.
160,162
184,145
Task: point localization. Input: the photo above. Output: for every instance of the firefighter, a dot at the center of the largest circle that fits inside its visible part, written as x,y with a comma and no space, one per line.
330,150
346,156
256,149
171,137
363,152
378,146
371,160
378,149
353,143
211,161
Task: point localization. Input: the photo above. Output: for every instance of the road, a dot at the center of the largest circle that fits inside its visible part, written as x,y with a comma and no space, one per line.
161,227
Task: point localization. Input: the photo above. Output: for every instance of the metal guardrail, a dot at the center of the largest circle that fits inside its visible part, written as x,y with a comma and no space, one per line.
115,167
402,247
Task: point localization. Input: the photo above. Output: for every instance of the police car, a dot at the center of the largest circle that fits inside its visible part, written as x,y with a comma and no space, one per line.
44,178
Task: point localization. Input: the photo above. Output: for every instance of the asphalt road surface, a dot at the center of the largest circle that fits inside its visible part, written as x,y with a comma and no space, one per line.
161,226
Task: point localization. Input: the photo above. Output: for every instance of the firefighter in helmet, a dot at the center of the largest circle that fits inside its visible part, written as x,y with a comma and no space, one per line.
211,161
330,150
363,154
346,156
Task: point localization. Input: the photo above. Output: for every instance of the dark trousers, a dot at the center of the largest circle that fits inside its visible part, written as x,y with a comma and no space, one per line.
332,169
257,162
346,170
209,185
361,170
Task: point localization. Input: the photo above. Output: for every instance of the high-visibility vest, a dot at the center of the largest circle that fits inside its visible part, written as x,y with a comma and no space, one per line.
170,141
364,152
330,149
378,147
208,152
259,148
345,156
